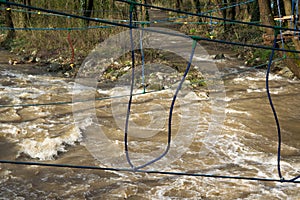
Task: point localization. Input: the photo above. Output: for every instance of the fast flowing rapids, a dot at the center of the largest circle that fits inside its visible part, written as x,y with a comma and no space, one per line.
243,144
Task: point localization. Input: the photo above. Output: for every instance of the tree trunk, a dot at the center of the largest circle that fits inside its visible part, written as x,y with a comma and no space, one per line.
224,15
179,4
292,65
27,15
266,15
232,10
281,6
287,7
144,12
231,13
197,5
112,8
8,23
255,14
87,8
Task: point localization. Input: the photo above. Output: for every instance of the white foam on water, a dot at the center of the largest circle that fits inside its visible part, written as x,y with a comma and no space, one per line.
227,99
259,90
232,111
79,89
250,78
256,90
12,74
39,136
86,122
106,92
31,94
294,80
47,148
208,188
41,141
12,94
275,77
229,147
256,77
239,80
204,58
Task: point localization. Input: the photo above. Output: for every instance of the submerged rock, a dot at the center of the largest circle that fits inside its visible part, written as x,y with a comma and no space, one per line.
286,72
219,56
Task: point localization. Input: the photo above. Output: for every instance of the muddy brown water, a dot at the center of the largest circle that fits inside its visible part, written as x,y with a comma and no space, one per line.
244,144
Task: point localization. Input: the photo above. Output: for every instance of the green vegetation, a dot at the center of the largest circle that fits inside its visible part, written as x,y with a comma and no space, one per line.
54,43
49,43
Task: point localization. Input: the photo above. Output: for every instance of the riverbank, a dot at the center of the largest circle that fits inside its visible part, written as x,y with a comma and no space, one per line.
36,62
63,53
244,144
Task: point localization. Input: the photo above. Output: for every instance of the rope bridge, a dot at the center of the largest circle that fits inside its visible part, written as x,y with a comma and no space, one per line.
133,25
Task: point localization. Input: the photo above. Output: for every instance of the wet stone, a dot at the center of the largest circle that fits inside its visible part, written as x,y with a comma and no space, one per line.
5,100
9,115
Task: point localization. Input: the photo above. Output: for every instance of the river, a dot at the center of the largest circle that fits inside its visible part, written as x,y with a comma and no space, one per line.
237,136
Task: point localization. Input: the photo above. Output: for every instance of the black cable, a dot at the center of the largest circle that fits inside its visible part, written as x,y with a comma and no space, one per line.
147,171
204,16
62,13
174,99
294,179
155,30
140,4
131,90
172,108
273,109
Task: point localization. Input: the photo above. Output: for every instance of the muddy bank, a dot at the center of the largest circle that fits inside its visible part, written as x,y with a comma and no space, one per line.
36,63
22,64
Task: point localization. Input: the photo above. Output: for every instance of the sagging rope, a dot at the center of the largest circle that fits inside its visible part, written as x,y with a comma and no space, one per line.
172,108
273,108
171,173
279,139
170,119
131,89
130,102
137,169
